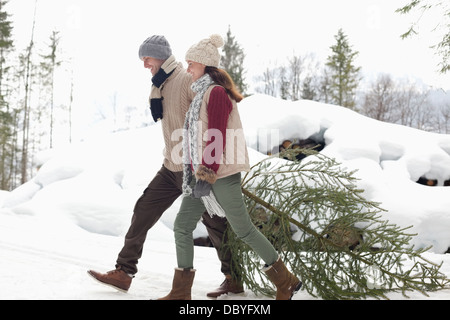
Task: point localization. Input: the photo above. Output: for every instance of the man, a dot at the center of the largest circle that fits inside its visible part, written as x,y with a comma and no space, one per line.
170,99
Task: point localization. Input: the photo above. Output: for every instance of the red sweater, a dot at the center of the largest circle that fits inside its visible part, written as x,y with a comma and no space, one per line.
219,109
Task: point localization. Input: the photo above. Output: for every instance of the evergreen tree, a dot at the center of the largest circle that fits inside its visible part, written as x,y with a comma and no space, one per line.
233,61
308,90
332,238
6,42
344,74
283,83
323,87
6,117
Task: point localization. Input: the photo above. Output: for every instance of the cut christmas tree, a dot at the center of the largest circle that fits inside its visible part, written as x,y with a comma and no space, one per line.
327,233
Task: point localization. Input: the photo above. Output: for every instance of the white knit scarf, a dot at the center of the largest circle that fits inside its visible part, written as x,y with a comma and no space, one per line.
190,145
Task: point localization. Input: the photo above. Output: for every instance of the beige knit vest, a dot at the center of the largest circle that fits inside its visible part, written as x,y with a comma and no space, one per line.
235,156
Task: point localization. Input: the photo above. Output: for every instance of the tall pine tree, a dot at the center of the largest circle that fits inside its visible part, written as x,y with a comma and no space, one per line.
6,117
233,61
6,42
343,72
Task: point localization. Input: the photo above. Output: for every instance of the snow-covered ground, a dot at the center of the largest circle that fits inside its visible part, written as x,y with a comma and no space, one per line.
73,214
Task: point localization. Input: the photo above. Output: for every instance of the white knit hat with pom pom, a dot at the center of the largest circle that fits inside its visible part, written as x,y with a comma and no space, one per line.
206,51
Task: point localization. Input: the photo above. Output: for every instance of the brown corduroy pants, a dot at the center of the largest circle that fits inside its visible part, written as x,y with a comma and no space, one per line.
160,194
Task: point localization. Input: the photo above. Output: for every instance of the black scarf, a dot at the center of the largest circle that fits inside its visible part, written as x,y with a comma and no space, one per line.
158,79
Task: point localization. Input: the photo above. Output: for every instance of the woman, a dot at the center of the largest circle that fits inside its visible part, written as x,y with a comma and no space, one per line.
215,153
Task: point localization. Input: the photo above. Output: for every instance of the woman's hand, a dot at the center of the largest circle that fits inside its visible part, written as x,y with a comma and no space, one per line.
202,188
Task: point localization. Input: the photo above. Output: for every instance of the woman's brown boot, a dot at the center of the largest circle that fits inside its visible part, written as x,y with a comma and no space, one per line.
181,285
287,283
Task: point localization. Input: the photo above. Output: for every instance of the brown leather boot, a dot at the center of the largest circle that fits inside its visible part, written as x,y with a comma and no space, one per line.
181,285
229,285
118,279
287,283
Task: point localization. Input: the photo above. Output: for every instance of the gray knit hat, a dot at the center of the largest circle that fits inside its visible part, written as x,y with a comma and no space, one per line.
206,51
156,47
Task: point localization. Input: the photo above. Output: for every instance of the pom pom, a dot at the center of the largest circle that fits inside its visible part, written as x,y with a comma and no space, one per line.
216,40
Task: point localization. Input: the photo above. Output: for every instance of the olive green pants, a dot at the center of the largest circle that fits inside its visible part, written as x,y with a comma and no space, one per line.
229,195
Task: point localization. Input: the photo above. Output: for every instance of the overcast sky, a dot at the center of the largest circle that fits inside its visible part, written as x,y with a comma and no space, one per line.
102,37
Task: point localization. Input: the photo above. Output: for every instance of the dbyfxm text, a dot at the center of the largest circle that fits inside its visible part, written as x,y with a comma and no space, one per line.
235,309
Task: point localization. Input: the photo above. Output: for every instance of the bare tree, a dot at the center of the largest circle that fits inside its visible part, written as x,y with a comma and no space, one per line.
413,107
380,100
48,67
295,67
400,102
269,82
445,116
26,108
296,79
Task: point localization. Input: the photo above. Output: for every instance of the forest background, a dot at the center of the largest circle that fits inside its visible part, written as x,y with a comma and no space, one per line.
50,96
